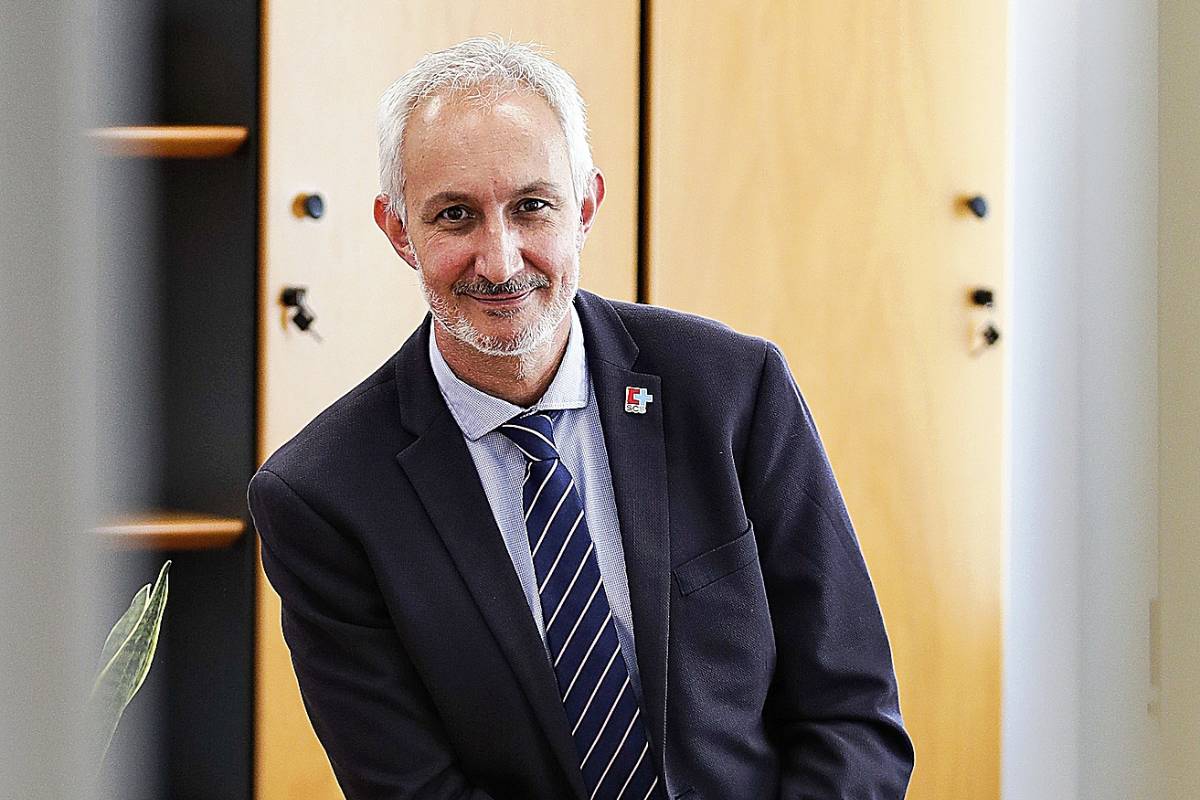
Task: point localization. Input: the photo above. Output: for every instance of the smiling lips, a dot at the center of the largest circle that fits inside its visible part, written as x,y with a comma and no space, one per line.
502,301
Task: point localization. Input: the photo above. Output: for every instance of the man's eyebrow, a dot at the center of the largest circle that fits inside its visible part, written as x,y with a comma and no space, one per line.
441,199
540,187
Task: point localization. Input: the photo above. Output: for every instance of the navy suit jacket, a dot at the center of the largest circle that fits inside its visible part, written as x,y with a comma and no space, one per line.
765,667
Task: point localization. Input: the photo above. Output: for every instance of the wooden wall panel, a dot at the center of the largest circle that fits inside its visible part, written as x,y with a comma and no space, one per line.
325,66
806,169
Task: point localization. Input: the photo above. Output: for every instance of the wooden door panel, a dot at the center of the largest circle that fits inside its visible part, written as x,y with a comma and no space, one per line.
324,67
806,170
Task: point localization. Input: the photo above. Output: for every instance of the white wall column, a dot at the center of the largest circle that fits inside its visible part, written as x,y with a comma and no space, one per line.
1083,527
1041,715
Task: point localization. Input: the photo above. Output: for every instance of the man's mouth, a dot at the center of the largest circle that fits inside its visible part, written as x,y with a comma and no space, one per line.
501,300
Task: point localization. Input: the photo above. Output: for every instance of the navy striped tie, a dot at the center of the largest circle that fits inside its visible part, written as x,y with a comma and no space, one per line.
593,681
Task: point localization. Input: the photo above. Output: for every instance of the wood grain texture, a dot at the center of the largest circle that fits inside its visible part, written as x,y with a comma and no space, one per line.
806,173
169,141
325,66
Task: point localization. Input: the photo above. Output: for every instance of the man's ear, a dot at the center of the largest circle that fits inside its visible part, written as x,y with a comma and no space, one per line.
593,196
394,230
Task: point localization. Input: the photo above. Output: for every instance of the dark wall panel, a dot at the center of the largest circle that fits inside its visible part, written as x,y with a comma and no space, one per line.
177,412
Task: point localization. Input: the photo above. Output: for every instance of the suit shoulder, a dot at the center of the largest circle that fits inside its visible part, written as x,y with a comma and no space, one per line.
667,338
345,427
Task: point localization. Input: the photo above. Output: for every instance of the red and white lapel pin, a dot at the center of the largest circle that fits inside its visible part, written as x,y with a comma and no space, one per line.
636,399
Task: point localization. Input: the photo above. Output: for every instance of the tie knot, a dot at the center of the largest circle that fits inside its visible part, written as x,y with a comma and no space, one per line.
533,435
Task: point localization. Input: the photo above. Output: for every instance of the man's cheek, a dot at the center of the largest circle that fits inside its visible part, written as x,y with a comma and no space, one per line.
446,262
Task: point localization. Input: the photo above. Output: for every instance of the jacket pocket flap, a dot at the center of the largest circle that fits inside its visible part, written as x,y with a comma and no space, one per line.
698,572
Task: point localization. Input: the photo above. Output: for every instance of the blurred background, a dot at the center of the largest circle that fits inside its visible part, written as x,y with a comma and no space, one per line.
970,226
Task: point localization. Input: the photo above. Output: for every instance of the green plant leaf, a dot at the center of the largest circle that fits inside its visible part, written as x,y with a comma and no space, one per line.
127,655
124,626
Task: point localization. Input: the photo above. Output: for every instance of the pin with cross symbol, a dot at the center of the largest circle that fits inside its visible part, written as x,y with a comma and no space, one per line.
636,399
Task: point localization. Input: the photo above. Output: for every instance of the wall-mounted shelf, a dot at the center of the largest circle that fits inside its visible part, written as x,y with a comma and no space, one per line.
172,530
169,141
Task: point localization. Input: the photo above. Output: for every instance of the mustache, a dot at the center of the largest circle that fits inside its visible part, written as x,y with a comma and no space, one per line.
514,285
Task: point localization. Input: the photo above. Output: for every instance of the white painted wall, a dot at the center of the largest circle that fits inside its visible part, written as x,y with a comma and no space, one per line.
1041,716
1084,405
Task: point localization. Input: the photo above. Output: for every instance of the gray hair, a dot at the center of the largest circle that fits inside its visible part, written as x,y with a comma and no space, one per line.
487,67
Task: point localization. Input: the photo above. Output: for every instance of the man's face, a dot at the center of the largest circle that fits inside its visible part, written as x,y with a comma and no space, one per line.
493,228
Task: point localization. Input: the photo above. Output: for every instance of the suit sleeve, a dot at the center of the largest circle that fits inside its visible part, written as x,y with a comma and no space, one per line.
833,705
366,701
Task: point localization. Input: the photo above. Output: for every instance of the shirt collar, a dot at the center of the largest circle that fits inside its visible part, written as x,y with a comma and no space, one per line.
478,413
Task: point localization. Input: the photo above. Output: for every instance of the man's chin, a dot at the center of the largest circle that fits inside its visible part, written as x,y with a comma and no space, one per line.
502,325
513,331
494,337
502,313
488,338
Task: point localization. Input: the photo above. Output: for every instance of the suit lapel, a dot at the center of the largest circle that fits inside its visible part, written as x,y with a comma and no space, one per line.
441,470
637,458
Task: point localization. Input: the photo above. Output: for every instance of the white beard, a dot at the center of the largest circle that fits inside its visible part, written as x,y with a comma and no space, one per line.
526,340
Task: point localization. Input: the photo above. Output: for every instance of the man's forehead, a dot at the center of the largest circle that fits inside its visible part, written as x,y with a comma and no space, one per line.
518,101
459,111
510,137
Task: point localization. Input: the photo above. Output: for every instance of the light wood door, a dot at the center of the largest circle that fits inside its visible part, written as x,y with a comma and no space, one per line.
324,67
806,169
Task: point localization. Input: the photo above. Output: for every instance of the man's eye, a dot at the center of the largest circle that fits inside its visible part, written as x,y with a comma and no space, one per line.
532,204
453,214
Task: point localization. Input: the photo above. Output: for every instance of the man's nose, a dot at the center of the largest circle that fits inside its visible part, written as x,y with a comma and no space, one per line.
499,255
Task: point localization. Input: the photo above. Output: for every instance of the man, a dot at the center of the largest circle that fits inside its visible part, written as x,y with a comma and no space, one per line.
557,546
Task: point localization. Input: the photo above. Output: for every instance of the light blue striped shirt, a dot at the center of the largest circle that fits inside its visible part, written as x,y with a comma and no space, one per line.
580,443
